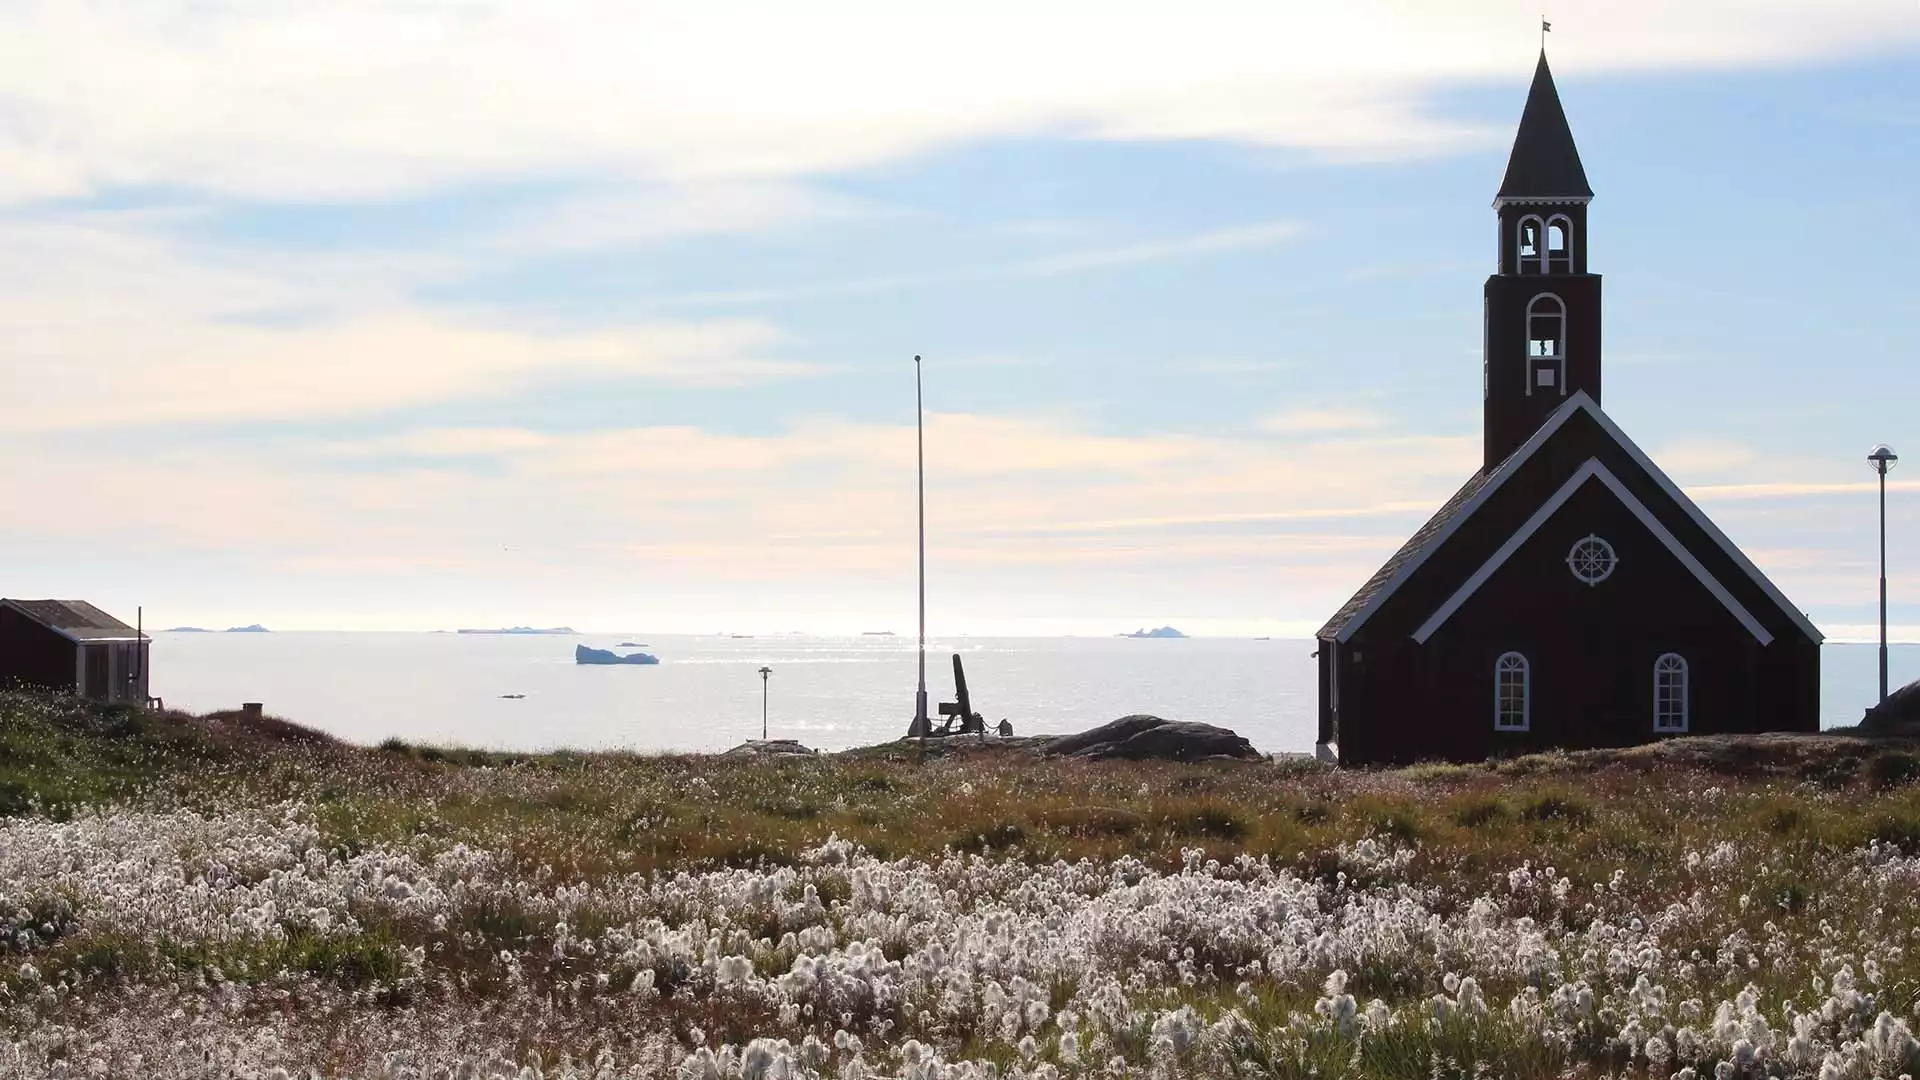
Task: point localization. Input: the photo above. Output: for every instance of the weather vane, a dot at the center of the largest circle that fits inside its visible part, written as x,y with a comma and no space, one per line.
1545,27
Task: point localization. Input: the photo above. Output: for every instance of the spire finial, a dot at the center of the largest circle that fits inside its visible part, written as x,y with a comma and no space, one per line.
1545,28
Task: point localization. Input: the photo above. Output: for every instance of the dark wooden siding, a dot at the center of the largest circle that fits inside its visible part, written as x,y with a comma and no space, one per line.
32,655
1512,414
1591,649
98,685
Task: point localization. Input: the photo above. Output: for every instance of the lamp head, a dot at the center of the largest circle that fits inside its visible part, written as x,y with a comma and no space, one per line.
1882,458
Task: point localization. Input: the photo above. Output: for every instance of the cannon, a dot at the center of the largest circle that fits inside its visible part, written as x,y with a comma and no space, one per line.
958,717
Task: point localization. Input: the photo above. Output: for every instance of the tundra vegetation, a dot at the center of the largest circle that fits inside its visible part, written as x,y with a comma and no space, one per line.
213,896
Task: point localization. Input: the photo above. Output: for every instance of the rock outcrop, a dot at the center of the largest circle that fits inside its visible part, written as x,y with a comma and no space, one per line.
1901,711
1141,737
770,748
584,655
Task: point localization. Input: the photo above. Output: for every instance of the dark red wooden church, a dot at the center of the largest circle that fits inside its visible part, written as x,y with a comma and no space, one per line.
1569,594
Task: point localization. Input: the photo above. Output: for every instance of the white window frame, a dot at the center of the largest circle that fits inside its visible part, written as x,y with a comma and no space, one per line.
1559,356
1563,263
1671,667
1538,260
1512,662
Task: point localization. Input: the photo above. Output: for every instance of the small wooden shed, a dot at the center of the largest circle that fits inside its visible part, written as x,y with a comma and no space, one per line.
74,647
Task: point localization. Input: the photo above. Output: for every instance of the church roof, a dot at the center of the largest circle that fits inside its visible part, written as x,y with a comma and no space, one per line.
1410,552
1544,162
1474,494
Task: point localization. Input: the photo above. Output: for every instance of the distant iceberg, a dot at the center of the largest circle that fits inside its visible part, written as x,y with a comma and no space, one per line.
523,630
584,655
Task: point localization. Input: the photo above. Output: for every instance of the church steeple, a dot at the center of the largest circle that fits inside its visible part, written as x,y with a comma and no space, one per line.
1542,306
1544,162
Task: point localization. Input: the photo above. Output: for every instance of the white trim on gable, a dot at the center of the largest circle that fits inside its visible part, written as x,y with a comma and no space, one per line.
1592,470
1707,526
1579,401
1506,469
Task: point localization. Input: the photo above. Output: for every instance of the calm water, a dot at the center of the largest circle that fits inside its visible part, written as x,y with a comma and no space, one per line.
827,692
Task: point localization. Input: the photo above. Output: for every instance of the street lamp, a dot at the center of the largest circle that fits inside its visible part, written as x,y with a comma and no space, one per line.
764,672
1882,460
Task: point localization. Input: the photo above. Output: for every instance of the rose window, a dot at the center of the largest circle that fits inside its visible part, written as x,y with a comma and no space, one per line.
1592,560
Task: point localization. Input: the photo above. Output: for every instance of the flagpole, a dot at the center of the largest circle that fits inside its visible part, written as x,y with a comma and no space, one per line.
921,726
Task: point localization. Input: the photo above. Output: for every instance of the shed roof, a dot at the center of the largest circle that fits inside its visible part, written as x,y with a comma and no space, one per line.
75,620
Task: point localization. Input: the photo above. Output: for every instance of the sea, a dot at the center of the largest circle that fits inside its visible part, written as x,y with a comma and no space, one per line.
524,692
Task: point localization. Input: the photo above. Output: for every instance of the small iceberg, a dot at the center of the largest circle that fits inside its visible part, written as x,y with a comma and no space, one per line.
584,655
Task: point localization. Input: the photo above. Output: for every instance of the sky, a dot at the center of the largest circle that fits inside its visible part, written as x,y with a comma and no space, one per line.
412,314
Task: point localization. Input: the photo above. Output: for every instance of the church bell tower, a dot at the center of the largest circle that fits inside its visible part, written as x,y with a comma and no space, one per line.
1542,306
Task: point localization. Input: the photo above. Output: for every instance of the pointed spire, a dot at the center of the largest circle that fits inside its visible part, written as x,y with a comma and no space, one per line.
1545,163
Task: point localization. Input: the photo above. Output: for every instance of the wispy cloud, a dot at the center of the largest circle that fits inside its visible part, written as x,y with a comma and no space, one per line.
1791,489
417,96
1239,238
144,331
643,213
835,493
1320,421
1230,366
1249,237
1700,456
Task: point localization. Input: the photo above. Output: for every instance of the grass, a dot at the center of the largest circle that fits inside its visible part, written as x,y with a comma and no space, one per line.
1791,808
600,814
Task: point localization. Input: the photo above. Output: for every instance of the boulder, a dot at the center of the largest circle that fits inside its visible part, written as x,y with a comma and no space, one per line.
770,748
584,655
1901,710
1141,737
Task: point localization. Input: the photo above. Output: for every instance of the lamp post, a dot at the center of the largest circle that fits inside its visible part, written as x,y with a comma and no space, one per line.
1881,460
764,672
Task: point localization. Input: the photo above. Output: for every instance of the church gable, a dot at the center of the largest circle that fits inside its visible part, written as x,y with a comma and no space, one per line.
1594,555
1496,511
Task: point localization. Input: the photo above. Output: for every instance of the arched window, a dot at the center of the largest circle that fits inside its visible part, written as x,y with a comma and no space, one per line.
1546,327
1559,244
1546,343
1670,693
1532,241
1512,693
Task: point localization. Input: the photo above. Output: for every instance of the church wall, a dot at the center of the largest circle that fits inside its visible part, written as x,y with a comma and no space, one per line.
1590,648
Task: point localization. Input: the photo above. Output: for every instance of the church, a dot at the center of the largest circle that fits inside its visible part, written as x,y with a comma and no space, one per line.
1569,594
